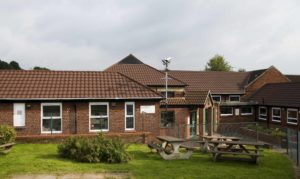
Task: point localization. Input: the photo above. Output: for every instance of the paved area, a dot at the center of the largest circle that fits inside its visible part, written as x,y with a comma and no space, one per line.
74,176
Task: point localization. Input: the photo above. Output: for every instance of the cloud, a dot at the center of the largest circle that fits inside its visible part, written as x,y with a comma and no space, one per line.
92,35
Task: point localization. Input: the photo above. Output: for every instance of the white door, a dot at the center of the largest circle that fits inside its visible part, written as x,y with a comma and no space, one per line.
19,114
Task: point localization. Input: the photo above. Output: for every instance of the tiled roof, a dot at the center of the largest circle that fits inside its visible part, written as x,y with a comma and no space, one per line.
255,74
278,94
215,81
294,78
191,98
70,85
133,68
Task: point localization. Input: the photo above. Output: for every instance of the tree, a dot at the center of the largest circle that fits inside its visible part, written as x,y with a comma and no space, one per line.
4,65
218,63
242,70
15,65
40,68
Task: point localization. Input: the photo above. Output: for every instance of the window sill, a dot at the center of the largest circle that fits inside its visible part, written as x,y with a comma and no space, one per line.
224,115
247,114
19,127
130,130
95,131
276,121
291,123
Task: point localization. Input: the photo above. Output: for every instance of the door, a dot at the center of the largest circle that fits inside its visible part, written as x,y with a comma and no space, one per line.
206,121
193,123
19,114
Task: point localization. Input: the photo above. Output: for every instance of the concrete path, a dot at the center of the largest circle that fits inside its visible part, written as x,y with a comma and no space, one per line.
74,176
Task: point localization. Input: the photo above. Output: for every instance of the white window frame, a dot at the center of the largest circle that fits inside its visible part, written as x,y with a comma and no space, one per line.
247,114
60,117
287,116
226,114
239,96
218,96
14,117
133,115
90,116
276,108
265,115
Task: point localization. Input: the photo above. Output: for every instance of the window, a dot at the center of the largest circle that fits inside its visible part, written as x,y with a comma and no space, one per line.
246,110
99,120
234,98
292,116
276,114
167,119
263,113
51,118
226,111
216,98
129,116
19,114
171,94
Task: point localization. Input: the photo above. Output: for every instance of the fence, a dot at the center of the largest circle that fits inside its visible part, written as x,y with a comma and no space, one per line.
293,145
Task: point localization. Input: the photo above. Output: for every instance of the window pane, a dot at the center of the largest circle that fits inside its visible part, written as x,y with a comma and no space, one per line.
246,110
234,98
276,112
216,98
53,111
263,111
99,123
99,110
292,114
129,108
171,94
226,110
51,125
129,122
167,118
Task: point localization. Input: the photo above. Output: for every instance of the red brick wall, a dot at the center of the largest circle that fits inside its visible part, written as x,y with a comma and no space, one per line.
116,117
273,124
272,75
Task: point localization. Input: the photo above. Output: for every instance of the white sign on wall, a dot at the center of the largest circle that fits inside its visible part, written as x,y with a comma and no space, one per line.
237,111
148,109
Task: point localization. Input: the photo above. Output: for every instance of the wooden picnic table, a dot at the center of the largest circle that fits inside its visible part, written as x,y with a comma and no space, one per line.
236,148
207,139
175,143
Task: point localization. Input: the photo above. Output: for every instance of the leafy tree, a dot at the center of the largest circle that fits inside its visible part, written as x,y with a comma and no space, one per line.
15,65
242,70
218,63
40,68
4,65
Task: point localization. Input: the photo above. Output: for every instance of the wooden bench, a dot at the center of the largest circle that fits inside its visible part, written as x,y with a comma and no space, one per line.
5,148
253,156
155,146
188,147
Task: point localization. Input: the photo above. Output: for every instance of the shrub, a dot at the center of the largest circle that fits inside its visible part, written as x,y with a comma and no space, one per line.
7,134
94,150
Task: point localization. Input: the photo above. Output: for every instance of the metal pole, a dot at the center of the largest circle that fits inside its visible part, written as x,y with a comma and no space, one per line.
256,124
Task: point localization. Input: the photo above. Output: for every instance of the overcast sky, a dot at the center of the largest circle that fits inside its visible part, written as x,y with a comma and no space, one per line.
92,35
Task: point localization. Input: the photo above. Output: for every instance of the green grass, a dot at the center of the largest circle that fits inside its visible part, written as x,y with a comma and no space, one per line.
43,159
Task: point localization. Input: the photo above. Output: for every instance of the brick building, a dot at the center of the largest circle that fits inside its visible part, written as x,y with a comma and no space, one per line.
128,97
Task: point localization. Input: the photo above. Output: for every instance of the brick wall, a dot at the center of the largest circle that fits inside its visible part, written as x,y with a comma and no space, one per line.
116,117
272,124
272,75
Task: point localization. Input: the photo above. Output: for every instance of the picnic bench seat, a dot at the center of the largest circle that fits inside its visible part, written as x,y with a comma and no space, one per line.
155,146
254,156
188,147
5,148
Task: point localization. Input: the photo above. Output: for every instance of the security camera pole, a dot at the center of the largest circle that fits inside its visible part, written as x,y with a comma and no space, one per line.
166,63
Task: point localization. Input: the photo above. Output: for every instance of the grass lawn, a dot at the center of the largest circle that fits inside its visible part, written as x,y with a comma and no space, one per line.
43,158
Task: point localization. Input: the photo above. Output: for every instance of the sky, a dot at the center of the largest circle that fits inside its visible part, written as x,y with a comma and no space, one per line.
94,34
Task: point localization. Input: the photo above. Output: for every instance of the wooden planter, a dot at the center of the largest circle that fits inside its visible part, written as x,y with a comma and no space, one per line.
5,148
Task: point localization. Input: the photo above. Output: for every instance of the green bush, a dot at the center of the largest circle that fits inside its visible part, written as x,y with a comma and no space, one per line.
94,150
7,134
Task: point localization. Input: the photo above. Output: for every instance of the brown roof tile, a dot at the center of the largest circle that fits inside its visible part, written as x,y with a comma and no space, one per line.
215,81
70,85
145,74
278,94
191,98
